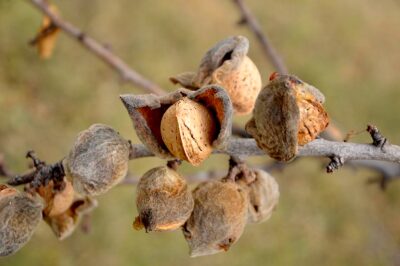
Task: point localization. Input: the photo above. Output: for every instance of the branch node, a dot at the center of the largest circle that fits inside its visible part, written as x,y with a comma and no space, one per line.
41,175
335,163
378,140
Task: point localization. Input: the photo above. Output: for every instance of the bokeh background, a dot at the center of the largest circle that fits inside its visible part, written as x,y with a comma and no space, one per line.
348,49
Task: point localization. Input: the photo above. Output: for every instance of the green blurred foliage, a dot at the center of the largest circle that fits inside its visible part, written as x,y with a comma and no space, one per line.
348,49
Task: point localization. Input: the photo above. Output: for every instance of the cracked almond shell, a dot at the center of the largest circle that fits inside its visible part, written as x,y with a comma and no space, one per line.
218,218
188,129
98,160
288,113
56,202
227,65
20,214
163,200
146,112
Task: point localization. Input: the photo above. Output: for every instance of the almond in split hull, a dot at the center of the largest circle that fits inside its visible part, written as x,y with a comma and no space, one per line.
188,129
242,83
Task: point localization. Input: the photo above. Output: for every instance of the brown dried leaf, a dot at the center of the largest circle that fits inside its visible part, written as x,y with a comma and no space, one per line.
64,224
46,38
56,202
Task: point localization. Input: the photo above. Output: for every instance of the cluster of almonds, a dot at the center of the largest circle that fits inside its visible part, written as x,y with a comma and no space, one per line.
97,161
186,124
213,215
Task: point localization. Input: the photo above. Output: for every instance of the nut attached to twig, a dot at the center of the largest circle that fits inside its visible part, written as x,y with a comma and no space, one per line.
98,160
227,65
218,218
164,201
263,196
288,113
182,124
20,214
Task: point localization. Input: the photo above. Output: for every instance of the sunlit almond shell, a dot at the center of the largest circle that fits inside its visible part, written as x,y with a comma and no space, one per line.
243,83
188,129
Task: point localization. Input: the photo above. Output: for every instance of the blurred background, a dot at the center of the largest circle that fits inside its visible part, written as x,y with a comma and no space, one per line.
348,49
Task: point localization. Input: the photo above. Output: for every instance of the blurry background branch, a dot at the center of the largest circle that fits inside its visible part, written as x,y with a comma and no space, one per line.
101,51
248,19
388,171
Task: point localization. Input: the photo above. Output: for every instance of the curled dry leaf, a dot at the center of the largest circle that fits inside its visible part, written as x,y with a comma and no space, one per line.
147,111
56,201
64,224
263,193
163,200
46,37
218,217
20,213
98,160
227,65
288,113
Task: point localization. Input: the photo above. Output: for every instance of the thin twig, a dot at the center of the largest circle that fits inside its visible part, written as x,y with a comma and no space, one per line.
266,45
99,50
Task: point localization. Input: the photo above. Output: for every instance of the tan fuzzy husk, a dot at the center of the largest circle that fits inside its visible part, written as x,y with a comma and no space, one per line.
20,214
56,202
64,224
227,64
98,160
263,194
147,111
288,112
218,217
188,130
163,200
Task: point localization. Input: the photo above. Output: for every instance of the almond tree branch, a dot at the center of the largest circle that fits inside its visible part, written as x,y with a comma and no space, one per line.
99,50
317,148
267,47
